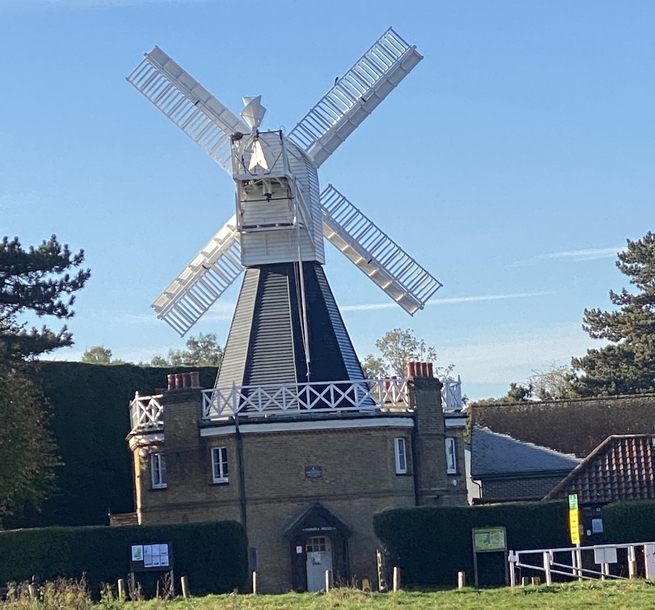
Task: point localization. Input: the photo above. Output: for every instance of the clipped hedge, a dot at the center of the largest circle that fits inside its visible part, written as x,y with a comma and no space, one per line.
632,521
213,555
89,405
430,545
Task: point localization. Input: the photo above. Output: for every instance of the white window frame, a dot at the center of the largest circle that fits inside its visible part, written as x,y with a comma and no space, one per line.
219,465
158,471
400,453
451,455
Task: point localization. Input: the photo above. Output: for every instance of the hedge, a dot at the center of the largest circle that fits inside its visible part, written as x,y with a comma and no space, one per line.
89,405
430,545
571,426
213,555
632,521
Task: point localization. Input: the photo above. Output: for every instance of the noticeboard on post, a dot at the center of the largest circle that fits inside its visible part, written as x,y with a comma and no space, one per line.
489,539
151,557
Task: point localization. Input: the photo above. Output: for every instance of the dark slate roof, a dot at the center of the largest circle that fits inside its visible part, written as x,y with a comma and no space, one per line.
494,454
620,468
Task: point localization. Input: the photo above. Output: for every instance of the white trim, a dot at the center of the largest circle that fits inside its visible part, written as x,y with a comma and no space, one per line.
455,422
158,467
378,422
219,459
400,454
143,440
451,455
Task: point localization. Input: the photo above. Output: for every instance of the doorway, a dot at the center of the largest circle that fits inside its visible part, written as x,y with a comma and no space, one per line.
319,559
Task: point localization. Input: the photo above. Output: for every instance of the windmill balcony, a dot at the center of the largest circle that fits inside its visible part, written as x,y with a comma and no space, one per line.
276,399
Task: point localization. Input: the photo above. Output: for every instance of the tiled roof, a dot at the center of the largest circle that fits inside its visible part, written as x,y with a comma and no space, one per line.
501,455
620,468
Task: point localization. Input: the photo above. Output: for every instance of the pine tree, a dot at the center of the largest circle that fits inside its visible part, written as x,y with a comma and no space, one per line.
627,364
36,281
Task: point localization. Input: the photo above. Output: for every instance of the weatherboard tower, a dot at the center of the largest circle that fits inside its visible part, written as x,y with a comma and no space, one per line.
286,328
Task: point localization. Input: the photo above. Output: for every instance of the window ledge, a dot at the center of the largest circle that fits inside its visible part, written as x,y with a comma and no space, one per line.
220,482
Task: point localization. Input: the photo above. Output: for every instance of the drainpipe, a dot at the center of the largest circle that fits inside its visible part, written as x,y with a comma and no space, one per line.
242,475
416,460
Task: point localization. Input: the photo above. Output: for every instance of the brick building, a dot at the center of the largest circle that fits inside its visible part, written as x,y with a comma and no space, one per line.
303,467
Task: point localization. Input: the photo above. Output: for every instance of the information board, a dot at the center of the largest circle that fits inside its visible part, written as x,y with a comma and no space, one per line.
147,557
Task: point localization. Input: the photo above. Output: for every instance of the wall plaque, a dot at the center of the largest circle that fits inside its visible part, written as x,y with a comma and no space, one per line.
313,472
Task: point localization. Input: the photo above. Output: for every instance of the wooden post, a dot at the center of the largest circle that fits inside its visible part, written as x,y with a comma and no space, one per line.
32,591
461,580
185,586
121,589
328,580
396,578
536,581
254,583
525,581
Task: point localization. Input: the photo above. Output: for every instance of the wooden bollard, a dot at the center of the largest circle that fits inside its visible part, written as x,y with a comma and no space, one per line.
121,589
254,583
32,591
461,580
396,578
185,586
328,580
536,581
525,581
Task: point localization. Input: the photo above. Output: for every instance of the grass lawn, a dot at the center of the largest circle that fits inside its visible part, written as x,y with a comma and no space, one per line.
626,595
616,596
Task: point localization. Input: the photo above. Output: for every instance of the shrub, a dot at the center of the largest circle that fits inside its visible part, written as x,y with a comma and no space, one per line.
632,521
213,555
430,545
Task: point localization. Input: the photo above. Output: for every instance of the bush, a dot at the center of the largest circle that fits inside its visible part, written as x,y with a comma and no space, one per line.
430,545
213,555
632,521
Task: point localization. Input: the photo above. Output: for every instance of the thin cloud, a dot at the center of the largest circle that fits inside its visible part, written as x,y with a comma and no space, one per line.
487,297
586,254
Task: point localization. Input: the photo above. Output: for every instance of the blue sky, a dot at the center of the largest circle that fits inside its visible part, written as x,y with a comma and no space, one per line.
513,162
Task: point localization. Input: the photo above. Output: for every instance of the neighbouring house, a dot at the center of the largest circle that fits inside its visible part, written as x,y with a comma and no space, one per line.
303,467
504,469
622,467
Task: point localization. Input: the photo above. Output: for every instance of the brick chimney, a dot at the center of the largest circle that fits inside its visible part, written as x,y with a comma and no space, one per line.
183,381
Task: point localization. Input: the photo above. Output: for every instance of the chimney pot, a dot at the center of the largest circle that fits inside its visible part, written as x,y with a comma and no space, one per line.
195,379
171,382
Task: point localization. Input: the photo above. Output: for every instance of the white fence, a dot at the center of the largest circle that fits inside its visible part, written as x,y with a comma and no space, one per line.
367,395
570,562
147,413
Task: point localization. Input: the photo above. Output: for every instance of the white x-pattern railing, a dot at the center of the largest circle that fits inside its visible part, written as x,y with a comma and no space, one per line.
146,413
366,395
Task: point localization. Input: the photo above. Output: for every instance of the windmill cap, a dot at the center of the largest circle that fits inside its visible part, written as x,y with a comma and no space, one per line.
253,111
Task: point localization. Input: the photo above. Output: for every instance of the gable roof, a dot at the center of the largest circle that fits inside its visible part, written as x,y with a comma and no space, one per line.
620,468
494,454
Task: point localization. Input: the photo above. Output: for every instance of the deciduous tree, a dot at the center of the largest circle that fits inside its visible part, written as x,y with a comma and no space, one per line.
201,350
397,348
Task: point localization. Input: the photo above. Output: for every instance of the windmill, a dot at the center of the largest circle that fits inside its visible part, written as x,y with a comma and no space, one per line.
286,326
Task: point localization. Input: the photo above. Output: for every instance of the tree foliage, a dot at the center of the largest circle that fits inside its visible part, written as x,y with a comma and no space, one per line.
202,350
627,364
555,382
397,348
517,393
97,354
38,281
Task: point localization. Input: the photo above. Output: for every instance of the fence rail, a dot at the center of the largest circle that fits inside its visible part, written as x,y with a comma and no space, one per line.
147,413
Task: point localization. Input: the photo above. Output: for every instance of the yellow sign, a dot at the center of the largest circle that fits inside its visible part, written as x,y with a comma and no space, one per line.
574,525
490,539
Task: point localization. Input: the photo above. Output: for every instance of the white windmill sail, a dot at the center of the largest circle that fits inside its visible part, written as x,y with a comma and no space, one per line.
374,253
188,104
354,96
202,281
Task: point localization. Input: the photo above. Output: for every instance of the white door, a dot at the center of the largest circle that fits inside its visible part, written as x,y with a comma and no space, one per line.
319,559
